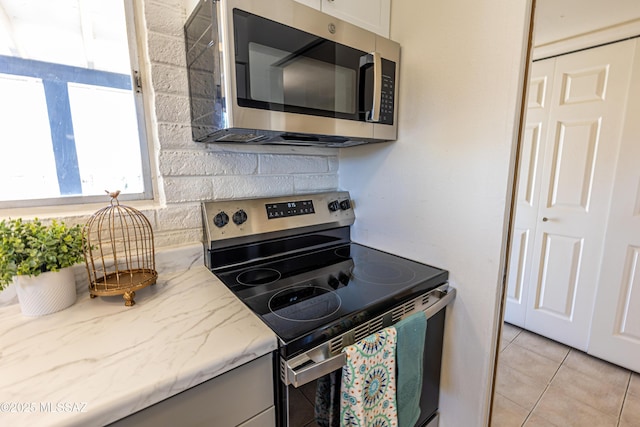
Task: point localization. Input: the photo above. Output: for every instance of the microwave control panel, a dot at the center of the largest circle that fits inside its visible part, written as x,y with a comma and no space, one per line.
387,99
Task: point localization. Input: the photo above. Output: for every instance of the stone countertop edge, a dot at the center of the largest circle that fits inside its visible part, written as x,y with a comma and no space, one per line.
99,361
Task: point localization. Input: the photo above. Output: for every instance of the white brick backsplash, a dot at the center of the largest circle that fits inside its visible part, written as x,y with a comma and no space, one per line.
185,163
179,189
165,17
177,237
167,50
179,217
315,183
150,214
176,5
271,164
83,219
172,108
75,220
233,187
177,136
333,164
169,79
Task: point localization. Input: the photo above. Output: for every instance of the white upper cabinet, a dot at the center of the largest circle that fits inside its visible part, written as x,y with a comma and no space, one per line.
373,15
316,4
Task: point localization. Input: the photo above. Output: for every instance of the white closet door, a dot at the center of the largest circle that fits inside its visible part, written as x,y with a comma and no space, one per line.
528,190
581,147
565,183
615,332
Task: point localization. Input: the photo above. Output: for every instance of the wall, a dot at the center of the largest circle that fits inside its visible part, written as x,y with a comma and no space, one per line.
440,194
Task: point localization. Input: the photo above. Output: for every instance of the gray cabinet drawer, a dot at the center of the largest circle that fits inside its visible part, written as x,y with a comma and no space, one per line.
244,394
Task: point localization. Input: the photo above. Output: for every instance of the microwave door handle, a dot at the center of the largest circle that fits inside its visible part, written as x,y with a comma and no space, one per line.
374,115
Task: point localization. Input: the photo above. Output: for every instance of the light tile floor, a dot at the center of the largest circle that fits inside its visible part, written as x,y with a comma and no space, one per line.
542,383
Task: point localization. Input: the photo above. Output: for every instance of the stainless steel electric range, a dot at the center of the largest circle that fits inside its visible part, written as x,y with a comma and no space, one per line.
292,262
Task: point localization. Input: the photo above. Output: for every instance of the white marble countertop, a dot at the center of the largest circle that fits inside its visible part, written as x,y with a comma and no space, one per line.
99,361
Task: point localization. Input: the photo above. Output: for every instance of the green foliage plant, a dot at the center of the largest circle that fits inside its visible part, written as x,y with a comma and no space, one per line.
29,248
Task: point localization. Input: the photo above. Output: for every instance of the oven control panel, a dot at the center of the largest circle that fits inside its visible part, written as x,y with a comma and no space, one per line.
243,218
287,209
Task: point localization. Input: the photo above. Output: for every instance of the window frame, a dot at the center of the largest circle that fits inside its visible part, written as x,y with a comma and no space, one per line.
145,146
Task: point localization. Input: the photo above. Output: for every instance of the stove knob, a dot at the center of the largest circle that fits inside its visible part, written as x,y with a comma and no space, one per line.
334,206
240,217
333,282
345,204
343,278
221,219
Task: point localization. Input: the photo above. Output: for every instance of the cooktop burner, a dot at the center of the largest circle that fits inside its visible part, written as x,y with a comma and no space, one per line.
389,273
304,303
377,271
258,276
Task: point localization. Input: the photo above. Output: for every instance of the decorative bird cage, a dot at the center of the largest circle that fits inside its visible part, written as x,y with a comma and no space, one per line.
119,251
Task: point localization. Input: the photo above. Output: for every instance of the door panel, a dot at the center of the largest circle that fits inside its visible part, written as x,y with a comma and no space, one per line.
528,192
531,148
615,332
584,85
558,279
517,277
628,322
574,162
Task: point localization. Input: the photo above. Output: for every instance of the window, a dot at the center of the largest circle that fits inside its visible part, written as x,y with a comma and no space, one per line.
70,111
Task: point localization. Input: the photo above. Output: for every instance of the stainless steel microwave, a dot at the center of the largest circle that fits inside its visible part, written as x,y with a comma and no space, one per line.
279,72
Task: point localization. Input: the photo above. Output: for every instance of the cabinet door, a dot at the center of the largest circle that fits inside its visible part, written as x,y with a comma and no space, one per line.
227,400
615,332
312,3
373,15
263,419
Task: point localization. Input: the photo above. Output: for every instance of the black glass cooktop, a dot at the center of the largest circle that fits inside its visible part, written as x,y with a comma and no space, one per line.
311,297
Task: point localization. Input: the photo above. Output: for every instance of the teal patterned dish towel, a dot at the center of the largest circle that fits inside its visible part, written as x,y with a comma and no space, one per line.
368,389
411,336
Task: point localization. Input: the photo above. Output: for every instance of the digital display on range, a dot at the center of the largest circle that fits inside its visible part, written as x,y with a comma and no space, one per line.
286,209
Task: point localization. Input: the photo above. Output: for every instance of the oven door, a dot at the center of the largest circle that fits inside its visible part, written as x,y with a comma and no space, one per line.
306,380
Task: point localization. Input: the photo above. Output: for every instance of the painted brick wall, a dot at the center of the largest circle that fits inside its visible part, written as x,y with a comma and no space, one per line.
190,172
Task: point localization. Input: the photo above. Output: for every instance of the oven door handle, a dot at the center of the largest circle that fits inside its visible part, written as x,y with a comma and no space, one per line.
314,364
310,370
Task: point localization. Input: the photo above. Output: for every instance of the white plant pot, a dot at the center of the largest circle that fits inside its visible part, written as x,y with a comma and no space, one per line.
47,293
